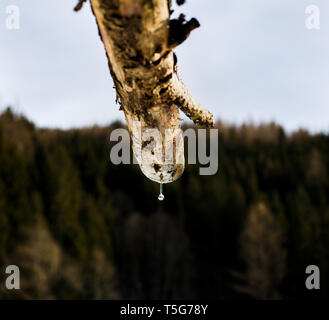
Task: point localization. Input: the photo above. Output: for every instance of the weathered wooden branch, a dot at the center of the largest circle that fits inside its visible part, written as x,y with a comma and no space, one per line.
139,40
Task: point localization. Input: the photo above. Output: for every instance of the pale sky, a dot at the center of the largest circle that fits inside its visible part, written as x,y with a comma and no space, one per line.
251,60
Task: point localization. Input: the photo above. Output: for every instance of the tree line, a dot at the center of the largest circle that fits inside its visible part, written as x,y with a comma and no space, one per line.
80,227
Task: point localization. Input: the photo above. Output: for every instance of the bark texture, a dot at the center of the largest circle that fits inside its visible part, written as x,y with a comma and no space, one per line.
139,39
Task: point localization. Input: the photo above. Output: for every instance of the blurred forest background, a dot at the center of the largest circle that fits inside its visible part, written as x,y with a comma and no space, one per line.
81,227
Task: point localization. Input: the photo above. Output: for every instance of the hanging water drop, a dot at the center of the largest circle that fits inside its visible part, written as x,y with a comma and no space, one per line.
161,196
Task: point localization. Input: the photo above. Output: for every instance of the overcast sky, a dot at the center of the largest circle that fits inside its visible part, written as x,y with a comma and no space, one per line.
251,60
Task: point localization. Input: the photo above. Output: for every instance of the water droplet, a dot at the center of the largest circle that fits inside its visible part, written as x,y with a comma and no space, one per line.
161,196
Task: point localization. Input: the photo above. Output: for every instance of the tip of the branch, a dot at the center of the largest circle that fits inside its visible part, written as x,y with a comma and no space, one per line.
79,5
180,29
180,2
